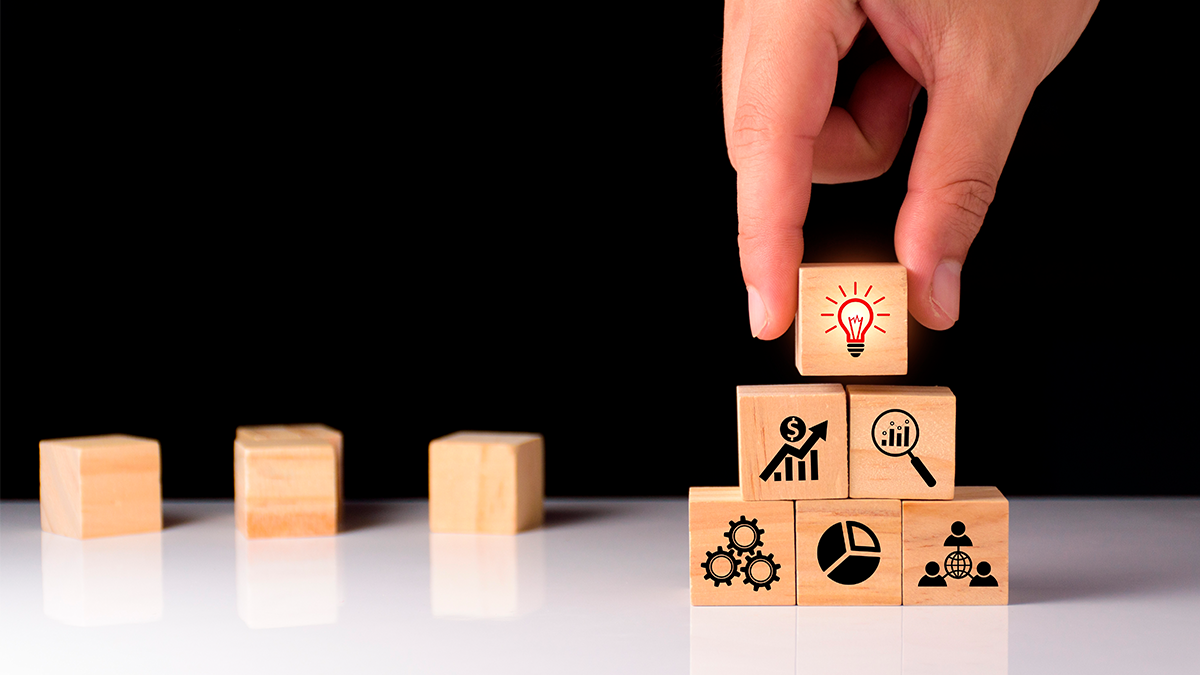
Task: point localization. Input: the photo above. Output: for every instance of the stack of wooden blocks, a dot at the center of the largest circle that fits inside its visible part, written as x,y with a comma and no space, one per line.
847,494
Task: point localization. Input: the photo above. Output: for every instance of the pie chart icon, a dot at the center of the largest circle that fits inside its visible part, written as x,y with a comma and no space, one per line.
844,554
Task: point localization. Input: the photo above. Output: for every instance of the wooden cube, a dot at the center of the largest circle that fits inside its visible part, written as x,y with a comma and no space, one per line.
901,442
956,551
99,486
792,441
852,319
742,553
285,488
486,482
848,552
295,432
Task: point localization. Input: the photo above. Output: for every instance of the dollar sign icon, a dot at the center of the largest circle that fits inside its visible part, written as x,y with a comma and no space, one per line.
792,429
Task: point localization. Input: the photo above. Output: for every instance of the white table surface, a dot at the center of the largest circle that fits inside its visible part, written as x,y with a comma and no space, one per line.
1098,586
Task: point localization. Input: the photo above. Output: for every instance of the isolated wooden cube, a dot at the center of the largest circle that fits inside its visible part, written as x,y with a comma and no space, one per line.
852,319
956,551
848,552
486,482
295,432
285,488
742,553
792,441
901,442
99,486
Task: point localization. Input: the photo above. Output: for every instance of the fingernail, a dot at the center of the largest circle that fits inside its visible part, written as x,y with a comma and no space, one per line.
758,311
945,290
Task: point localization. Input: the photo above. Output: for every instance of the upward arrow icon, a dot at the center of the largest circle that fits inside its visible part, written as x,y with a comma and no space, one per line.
817,432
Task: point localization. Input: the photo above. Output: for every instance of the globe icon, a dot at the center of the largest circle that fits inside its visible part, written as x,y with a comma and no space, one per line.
958,565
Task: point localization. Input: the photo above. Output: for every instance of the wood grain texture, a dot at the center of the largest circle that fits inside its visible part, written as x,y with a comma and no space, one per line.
929,538
100,486
821,342
763,414
486,482
817,586
875,474
722,533
294,432
285,488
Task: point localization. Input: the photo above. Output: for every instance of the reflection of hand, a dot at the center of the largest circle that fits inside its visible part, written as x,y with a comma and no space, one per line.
979,61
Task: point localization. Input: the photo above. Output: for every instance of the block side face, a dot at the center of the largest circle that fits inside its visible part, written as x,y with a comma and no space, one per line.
779,437
121,488
531,484
848,552
709,529
498,487
59,489
852,320
287,488
888,423
959,538
455,470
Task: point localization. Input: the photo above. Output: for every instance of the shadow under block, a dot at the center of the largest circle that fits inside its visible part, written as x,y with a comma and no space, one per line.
488,483
741,553
848,552
852,319
956,552
285,488
889,427
792,441
99,486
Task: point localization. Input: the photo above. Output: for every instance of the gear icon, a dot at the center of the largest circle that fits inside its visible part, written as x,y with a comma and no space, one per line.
721,566
761,570
744,535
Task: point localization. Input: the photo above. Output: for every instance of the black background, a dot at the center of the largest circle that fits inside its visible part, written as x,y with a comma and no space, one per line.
407,224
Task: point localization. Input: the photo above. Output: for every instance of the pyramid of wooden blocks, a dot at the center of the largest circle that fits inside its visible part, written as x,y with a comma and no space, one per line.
285,488
792,441
486,482
742,553
901,442
852,319
98,486
295,432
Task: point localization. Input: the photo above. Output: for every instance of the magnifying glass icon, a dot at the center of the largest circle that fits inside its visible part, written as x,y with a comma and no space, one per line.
895,433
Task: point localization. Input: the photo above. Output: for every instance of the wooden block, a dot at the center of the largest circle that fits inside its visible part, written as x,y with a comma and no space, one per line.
742,553
956,552
852,319
294,432
901,442
486,482
285,488
792,441
848,552
99,486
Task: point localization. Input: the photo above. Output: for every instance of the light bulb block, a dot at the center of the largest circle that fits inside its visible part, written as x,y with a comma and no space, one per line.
852,319
100,486
848,552
741,553
901,442
792,441
486,482
297,432
285,488
956,551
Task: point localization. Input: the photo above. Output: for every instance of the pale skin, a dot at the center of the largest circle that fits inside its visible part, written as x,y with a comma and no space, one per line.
979,61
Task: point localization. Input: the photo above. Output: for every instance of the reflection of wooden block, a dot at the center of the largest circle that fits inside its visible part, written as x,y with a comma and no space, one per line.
848,552
852,319
895,420
742,553
294,432
723,637
285,488
103,582
287,582
484,482
956,552
792,441
98,486
480,576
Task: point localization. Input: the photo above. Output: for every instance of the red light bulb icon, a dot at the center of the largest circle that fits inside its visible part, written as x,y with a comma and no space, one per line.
855,317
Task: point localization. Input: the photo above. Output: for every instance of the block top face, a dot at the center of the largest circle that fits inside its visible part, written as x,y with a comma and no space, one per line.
852,319
268,431
487,438
100,442
788,389
285,448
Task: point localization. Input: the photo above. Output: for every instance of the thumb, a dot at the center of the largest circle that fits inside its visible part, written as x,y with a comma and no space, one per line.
963,145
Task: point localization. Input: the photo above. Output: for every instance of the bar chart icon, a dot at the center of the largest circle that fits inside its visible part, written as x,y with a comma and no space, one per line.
797,464
798,473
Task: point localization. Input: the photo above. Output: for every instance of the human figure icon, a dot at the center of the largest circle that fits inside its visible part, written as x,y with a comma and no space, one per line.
957,537
932,578
984,578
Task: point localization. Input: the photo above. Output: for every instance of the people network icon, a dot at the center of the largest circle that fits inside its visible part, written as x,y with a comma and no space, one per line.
958,564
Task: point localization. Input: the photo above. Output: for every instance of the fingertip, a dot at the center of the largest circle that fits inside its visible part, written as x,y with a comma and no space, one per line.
934,298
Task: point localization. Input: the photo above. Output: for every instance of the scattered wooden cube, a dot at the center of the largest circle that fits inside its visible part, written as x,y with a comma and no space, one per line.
792,441
295,432
285,488
956,551
848,552
901,442
485,482
742,553
852,319
99,486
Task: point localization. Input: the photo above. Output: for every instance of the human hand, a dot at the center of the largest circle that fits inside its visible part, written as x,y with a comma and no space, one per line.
980,63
